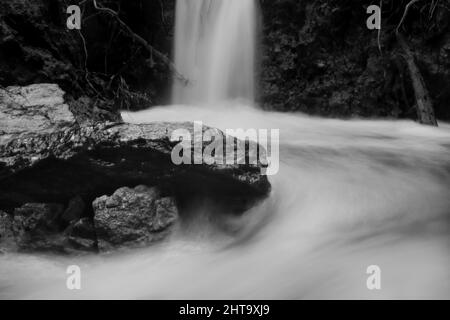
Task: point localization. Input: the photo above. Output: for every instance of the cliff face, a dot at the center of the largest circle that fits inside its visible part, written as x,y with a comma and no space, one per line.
320,58
35,47
317,56
99,66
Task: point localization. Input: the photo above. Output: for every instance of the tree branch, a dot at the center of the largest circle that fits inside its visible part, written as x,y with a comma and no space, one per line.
405,13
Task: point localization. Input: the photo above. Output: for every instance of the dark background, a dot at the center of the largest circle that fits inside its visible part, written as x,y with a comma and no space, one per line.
317,56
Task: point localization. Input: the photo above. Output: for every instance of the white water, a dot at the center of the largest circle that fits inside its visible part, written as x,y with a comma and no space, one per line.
349,194
215,50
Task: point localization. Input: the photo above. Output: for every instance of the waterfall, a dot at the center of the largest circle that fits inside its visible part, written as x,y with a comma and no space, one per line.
349,194
215,50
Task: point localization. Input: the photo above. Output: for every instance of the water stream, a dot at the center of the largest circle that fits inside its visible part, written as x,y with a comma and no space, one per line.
349,194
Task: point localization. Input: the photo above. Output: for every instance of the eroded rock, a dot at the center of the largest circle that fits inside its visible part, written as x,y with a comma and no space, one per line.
133,217
7,242
81,236
45,154
74,211
52,165
40,227
36,227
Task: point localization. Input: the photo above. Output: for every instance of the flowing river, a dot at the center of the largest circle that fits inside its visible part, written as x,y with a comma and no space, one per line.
349,194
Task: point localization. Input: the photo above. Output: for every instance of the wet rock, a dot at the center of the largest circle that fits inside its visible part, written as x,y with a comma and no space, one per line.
165,213
36,227
7,242
34,108
133,217
37,217
46,155
81,236
74,210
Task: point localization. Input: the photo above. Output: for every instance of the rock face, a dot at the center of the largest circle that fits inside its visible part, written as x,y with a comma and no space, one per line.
47,155
6,232
37,47
128,218
134,217
81,235
22,110
53,166
74,210
36,227
322,49
41,227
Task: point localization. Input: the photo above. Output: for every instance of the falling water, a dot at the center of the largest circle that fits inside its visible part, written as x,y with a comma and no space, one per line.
349,194
215,50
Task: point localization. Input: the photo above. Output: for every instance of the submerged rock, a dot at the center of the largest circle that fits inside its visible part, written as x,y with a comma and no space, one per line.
133,217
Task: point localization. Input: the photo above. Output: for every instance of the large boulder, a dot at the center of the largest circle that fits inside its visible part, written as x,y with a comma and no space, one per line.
53,164
127,218
46,155
133,217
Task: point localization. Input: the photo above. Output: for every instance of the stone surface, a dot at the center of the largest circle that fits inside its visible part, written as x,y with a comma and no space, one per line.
81,235
36,227
57,158
7,241
23,111
74,211
133,217
52,166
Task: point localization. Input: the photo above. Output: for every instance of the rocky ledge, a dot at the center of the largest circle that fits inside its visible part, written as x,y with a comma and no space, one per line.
56,172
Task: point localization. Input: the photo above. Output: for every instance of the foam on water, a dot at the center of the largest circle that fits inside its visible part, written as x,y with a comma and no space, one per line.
349,194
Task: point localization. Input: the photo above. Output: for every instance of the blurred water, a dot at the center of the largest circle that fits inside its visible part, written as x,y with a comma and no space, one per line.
349,194
215,50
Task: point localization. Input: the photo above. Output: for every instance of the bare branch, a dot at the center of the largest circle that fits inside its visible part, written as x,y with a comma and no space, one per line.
405,13
379,31
86,57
